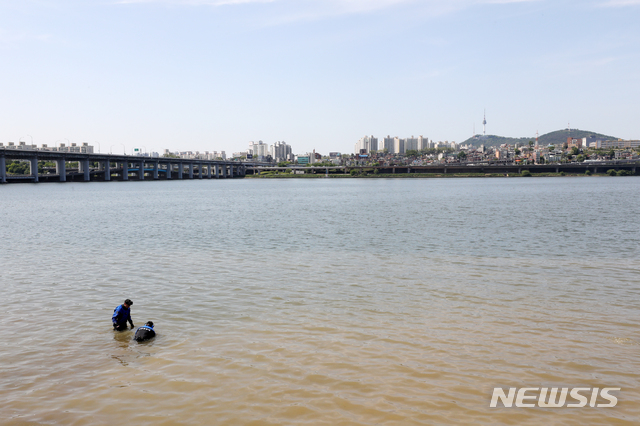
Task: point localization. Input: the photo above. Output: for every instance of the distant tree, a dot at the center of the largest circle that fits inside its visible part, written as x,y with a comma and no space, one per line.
18,168
575,150
412,153
462,155
517,151
284,163
552,147
580,158
530,144
612,153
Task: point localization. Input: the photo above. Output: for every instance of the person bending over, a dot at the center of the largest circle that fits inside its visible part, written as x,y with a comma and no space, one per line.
145,332
121,315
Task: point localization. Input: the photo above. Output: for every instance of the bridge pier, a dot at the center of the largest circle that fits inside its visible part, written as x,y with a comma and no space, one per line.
180,170
557,169
3,170
200,171
209,170
85,169
107,170
190,170
125,170
155,170
216,170
169,171
141,171
61,169
33,161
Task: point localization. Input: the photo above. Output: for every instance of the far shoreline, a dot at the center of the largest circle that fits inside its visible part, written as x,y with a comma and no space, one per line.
270,175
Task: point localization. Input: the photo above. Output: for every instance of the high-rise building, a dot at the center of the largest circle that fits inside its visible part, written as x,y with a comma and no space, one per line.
411,144
386,143
259,149
398,146
280,151
367,143
423,143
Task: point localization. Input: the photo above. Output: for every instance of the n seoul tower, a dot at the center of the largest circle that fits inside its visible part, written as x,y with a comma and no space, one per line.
484,124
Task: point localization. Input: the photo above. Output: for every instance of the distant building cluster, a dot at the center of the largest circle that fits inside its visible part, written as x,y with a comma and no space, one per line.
260,151
393,150
396,145
85,148
197,155
593,142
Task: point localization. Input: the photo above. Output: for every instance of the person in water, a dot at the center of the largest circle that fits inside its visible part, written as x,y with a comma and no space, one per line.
145,332
122,315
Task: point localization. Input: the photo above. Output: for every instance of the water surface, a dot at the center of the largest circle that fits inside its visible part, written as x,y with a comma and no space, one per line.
338,302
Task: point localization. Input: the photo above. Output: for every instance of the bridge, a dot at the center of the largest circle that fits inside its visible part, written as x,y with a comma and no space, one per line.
107,167
460,168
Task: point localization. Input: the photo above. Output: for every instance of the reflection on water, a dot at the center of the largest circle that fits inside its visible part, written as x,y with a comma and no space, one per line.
318,302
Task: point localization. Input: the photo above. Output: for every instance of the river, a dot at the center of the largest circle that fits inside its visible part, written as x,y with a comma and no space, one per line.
319,301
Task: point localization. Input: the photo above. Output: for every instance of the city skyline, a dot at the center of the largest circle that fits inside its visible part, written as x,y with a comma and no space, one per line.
214,75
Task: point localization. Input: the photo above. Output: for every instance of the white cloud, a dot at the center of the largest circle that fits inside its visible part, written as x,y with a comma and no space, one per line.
196,2
620,3
352,6
290,11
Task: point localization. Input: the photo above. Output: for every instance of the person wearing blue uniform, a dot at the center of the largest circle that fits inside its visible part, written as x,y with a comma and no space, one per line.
145,332
122,315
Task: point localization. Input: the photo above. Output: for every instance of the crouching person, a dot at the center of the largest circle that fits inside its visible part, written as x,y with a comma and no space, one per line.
145,332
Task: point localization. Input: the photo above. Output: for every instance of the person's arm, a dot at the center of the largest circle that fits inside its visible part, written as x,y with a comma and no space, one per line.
130,320
116,315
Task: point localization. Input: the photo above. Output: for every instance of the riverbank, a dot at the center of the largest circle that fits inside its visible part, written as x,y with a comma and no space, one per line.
277,175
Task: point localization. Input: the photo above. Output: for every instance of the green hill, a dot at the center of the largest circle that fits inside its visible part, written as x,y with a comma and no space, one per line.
554,138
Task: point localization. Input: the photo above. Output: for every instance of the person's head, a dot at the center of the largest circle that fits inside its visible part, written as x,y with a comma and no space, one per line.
128,303
150,324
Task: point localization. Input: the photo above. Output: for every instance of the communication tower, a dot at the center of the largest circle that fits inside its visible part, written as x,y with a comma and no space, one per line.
484,124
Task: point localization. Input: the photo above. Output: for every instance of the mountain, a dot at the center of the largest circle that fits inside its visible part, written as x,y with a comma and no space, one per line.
557,138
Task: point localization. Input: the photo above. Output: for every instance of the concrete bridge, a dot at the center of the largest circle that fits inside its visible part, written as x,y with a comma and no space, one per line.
462,168
107,167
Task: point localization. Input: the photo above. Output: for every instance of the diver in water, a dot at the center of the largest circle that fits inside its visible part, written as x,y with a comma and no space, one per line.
145,332
122,315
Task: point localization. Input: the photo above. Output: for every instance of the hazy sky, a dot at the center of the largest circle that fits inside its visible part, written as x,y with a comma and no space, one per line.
216,74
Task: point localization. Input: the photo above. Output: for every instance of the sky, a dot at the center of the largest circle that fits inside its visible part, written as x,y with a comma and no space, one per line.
212,75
